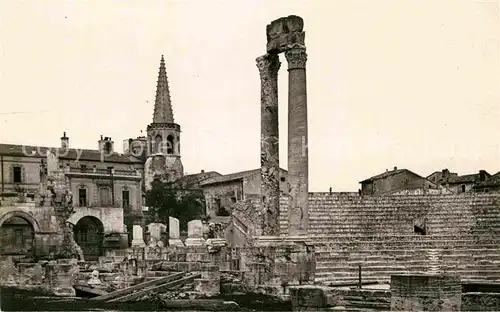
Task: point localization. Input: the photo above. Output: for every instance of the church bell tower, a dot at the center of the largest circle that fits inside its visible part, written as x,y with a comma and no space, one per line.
164,158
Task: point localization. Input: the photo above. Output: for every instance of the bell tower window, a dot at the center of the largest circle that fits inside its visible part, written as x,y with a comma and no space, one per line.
170,144
157,148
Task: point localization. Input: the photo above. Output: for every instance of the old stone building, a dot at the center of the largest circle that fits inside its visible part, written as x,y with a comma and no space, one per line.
458,184
466,183
108,187
441,177
397,181
223,191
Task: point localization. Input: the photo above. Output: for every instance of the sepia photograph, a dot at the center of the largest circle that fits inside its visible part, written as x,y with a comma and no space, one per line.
254,156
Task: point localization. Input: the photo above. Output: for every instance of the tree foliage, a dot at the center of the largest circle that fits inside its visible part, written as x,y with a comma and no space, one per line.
168,199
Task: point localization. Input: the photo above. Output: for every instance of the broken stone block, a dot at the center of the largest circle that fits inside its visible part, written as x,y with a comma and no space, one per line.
137,236
174,238
195,233
94,279
208,287
155,230
283,32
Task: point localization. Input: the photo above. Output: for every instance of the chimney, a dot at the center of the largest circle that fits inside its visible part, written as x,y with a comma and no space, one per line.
106,145
482,175
202,171
64,141
395,168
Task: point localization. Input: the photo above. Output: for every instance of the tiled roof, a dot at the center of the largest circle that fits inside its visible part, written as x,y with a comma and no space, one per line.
194,180
232,177
384,175
494,180
468,178
70,154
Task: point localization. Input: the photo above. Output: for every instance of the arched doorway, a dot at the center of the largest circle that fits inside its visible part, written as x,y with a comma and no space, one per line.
17,237
89,235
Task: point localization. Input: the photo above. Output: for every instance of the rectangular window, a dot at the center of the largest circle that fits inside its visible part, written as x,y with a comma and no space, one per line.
84,168
17,175
82,197
126,199
104,197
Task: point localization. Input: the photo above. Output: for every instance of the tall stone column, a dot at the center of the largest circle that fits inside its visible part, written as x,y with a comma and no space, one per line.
269,65
298,161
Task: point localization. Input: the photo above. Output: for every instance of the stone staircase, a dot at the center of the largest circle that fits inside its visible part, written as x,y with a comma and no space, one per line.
374,215
338,261
433,261
377,232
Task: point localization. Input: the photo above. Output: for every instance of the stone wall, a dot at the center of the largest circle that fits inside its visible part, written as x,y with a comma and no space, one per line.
111,218
51,277
481,301
223,192
425,293
252,183
403,180
46,230
207,260
47,236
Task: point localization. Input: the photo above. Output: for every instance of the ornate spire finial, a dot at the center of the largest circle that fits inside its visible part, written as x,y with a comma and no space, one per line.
163,107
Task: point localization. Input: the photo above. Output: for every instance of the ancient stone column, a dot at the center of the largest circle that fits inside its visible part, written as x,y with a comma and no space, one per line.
269,65
298,167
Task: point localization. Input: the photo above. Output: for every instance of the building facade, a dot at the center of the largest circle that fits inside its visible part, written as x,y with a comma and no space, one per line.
223,191
397,181
108,188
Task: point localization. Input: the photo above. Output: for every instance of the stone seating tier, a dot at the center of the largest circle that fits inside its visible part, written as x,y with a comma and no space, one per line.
462,235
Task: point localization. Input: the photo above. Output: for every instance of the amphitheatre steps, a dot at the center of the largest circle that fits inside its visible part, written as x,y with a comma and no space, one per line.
377,232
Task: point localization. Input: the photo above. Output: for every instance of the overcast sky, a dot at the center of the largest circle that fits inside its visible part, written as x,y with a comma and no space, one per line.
412,84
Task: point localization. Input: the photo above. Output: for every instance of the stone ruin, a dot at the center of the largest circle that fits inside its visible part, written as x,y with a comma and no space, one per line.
284,35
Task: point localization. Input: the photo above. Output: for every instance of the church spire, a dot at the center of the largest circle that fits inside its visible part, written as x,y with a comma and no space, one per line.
163,107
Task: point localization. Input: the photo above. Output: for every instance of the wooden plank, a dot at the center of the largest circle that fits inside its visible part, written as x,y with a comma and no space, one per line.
90,290
131,289
154,289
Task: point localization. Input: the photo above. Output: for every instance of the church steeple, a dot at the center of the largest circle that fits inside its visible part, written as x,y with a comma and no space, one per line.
164,137
163,106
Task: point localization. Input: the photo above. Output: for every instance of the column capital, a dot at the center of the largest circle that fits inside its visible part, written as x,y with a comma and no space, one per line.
268,65
296,56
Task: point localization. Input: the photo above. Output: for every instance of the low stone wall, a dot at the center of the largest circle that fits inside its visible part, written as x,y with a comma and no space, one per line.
274,264
425,293
52,277
322,298
481,302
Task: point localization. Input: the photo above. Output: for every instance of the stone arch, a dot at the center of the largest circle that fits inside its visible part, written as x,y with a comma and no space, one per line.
89,235
21,214
170,144
158,143
17,233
